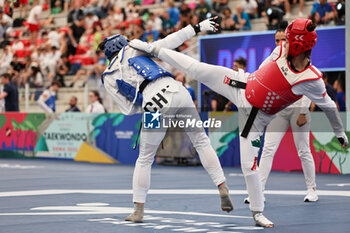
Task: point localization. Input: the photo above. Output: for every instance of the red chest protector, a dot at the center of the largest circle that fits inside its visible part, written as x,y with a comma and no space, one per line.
270,87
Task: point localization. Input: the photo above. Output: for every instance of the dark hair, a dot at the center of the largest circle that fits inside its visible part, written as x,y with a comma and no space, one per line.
241,61
7,76
98,96
56,83
76,99
310,28
101,46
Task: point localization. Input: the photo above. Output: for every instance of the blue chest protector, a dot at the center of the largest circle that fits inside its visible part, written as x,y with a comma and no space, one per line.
147,68
51,102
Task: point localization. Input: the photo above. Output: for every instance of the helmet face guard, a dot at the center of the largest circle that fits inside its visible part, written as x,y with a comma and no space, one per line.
114,44
299,38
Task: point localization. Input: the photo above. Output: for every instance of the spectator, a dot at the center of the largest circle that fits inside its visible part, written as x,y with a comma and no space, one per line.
251,8
301,6
56,8
150,34
74,33
218,103
227,23
15,68
23,4
174,12
155,21
33,20
274,15
5,60
219,5
242,19
34,77
322,12
17,44
76,12
54,37
167,24
340,12
330,91
240,63
47,100
202,10
181,77
5,21
90,19
185,15
73,102
10,94
62,69
96,103
48,65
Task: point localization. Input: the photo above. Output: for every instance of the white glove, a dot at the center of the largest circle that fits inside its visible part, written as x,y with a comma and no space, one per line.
206,25
142,46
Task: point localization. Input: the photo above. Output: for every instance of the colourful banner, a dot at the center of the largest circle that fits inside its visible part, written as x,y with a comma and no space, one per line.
109,138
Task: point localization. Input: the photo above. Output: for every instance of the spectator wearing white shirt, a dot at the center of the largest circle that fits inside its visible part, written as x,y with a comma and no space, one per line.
250,7
54,37
96,103
17,44
33,20
90,19
5,60
155,21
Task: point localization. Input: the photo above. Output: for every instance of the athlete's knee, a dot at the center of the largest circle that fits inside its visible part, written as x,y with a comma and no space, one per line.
249,168
200,141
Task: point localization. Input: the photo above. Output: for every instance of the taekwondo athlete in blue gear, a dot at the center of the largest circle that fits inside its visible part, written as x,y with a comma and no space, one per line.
132,74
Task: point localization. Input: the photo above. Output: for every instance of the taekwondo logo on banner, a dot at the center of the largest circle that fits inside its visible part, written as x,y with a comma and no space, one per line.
151,120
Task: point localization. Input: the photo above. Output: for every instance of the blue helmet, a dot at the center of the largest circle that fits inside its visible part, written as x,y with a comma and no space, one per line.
114,44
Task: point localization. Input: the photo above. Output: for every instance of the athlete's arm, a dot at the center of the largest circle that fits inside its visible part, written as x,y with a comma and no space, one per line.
41,101
176,39
315,90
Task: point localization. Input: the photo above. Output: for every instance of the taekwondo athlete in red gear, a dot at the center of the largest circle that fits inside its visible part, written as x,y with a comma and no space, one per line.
296,76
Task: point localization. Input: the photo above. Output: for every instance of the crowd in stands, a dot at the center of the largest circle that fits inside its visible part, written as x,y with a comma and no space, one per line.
35,51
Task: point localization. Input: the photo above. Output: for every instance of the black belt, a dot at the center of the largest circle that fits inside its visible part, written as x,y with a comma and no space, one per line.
144,84
252,115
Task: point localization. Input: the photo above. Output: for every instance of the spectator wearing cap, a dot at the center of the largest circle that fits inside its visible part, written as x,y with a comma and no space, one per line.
10,94
322,12
242,19
73,102
33,20
202,9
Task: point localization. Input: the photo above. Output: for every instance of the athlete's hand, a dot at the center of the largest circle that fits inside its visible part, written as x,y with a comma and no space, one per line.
142,46
207,25
301,120
343,140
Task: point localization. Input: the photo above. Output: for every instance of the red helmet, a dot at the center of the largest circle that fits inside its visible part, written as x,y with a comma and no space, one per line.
299,38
